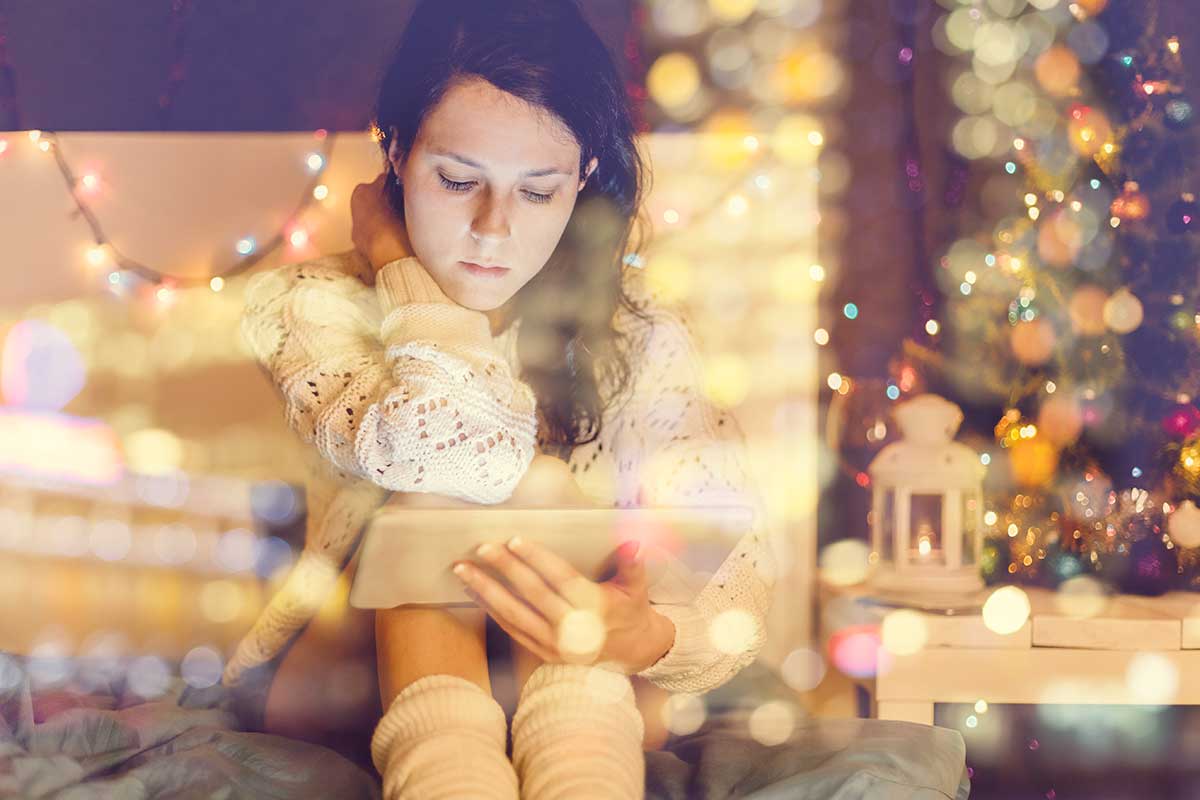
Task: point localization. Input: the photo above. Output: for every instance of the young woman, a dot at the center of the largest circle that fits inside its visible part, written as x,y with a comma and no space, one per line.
485,340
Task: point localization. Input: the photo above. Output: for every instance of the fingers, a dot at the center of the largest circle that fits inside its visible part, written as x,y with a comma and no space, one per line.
519,636
558,574
526,581
508,611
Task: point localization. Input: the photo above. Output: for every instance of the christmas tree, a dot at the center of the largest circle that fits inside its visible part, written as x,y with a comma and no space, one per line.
1075,316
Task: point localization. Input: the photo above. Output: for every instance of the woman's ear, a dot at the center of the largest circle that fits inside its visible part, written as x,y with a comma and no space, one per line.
591,167
395,154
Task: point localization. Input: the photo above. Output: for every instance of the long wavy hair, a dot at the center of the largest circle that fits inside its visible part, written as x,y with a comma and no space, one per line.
545,53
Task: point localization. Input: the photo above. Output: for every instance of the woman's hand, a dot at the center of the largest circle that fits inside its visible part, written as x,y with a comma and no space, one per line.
556,613
562,617
547,605
377,232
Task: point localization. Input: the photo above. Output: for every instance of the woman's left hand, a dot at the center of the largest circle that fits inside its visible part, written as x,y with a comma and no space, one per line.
562,617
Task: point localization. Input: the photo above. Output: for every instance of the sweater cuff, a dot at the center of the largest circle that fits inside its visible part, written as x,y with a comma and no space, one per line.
693,646
406,280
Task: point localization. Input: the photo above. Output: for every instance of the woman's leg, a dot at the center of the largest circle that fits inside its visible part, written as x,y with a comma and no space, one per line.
577,732
412,642
650,698
442,734
524,663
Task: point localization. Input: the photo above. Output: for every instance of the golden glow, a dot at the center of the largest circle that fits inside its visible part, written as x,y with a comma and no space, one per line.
1006,610
581,634
904,632
732,631
673,79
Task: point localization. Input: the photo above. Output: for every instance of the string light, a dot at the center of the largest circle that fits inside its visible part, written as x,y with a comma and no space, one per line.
97,255
104,252
737,205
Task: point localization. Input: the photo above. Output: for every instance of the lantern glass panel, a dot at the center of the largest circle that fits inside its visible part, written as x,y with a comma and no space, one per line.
887,527
925,530
970,524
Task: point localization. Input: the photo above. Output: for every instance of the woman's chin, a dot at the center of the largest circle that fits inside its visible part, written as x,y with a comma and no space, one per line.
476,301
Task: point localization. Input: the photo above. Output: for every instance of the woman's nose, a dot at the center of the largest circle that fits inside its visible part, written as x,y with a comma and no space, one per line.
491,220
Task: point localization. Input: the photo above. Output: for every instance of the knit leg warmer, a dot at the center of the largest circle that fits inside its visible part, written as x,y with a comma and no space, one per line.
577,733
444,738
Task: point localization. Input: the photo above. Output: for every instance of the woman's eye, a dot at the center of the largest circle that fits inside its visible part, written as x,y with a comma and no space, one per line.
465,186
455,186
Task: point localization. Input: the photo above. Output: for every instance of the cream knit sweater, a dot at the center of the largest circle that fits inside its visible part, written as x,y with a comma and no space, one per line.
401,389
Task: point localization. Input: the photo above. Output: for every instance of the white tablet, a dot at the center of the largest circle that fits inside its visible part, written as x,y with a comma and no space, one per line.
407,552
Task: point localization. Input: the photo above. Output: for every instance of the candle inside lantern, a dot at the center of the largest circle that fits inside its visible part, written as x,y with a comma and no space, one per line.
925,551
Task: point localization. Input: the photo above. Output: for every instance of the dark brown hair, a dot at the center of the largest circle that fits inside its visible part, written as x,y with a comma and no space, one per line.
544,52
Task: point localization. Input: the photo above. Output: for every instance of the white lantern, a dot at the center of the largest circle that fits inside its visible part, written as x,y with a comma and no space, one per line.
927,504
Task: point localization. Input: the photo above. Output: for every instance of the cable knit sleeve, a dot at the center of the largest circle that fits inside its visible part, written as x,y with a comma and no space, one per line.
691,452
394,383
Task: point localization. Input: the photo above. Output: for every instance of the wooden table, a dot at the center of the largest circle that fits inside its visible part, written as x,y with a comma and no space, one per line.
1123,650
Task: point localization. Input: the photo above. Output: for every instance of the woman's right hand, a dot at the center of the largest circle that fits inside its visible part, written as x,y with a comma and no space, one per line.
375,229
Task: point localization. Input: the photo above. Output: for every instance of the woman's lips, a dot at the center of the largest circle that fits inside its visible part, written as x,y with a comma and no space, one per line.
489,272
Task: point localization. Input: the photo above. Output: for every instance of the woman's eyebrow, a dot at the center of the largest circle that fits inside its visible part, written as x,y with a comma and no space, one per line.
531,173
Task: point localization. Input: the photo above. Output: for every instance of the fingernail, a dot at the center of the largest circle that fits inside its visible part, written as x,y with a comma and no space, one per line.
460,570
487,550
516,543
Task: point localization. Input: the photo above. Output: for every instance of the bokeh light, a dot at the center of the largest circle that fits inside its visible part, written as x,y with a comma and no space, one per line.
1006,610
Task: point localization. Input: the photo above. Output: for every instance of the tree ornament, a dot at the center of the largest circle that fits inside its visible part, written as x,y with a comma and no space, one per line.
1086,310
1182,421
1178,114
1123,312
1033,342
1184,525
1060,419
1131,204
1187,468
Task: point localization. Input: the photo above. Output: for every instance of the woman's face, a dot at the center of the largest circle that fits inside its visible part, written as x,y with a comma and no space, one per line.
490,180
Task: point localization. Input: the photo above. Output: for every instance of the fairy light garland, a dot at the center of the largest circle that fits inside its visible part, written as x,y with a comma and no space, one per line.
105,251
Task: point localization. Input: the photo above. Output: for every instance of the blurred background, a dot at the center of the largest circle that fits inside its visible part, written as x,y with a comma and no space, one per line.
857,201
